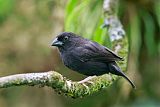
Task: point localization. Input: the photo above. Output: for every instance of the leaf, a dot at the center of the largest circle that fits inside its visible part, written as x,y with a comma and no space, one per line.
85,18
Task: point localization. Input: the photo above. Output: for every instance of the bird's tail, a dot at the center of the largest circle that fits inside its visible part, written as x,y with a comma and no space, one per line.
117,71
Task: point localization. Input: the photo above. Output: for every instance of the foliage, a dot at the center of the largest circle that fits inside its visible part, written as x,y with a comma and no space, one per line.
86,19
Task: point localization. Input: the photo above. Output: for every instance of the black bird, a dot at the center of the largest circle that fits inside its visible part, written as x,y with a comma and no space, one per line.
87,57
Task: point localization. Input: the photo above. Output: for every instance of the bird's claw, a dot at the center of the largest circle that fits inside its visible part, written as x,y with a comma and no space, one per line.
86,80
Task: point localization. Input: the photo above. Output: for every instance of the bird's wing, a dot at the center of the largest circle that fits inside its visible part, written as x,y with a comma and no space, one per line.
92,51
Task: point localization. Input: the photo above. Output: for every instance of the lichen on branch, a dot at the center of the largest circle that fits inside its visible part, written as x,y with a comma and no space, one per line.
111,21
58,82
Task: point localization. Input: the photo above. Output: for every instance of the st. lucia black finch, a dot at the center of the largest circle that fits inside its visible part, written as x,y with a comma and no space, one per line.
87,57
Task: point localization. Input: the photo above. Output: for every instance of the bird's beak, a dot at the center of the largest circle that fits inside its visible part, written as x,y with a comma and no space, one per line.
56,42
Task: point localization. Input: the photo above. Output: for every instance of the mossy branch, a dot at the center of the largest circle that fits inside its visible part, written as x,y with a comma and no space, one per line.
63,85
58,82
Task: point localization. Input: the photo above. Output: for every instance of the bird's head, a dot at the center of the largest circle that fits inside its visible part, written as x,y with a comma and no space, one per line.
65,39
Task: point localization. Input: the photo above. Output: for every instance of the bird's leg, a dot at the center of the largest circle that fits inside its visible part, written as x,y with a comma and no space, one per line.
86,79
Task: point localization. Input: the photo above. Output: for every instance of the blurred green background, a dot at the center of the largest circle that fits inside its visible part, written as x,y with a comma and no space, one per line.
27,28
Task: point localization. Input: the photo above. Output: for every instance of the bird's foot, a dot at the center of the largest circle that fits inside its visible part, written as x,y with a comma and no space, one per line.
87,80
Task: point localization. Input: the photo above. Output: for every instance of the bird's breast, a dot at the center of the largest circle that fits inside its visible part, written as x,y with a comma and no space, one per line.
71,61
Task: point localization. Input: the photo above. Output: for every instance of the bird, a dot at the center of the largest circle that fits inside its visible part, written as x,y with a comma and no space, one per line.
86,56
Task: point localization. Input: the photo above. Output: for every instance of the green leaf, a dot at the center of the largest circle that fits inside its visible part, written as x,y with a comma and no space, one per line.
149,33
85,18
6,7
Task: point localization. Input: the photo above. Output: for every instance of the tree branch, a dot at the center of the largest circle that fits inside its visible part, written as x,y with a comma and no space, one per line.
58,82
63,85
115,28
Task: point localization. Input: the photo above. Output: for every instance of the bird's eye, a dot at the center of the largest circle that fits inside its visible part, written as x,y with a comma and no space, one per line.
66,38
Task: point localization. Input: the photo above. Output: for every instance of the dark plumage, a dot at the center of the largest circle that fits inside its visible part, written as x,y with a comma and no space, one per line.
87,57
